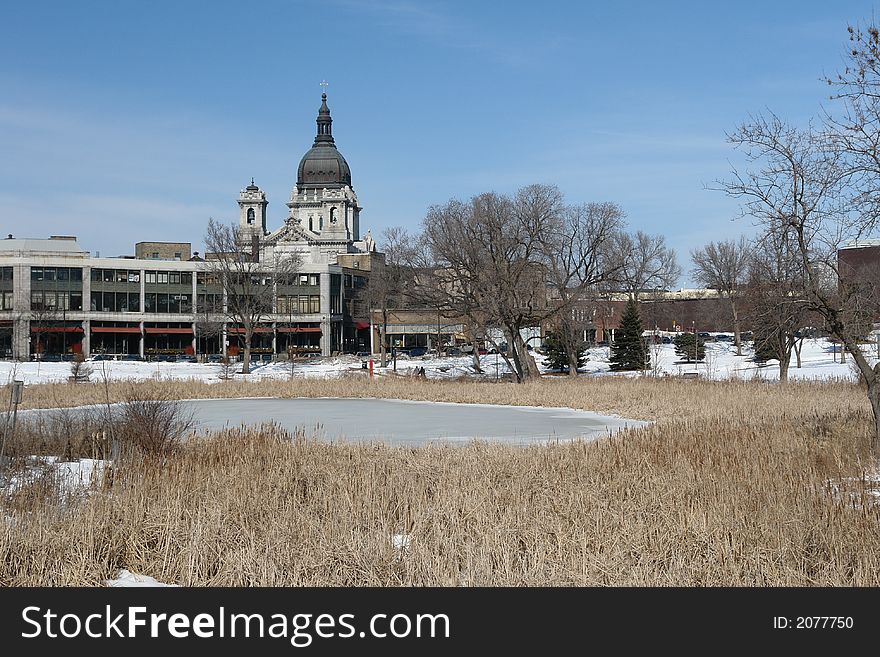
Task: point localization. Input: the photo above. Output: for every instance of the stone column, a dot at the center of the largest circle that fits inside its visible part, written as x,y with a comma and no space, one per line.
87,336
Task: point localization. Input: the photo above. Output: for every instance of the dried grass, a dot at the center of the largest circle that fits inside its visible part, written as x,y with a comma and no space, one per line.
729,487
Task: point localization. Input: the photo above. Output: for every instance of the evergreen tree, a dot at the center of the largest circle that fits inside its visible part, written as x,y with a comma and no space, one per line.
557,356
628,351
684,346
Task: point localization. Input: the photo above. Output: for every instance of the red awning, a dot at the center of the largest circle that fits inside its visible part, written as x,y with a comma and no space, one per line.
115,329
56,329
299,329
154,329
361,325
235,329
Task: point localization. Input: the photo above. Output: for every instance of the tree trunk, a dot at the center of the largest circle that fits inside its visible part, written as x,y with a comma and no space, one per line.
513,357
246,365
476,353
798,345
874,398
736,332
784,362
383,338
476,356
571,352
529,366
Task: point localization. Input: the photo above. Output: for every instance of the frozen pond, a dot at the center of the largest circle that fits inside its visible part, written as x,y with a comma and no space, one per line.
398,422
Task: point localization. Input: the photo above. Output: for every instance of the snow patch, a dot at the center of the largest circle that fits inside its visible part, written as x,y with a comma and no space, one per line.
128,578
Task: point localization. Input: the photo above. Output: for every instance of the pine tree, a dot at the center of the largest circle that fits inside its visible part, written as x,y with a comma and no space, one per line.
557,356
684,347
628,350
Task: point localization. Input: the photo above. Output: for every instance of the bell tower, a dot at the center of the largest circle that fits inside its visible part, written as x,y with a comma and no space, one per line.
252,204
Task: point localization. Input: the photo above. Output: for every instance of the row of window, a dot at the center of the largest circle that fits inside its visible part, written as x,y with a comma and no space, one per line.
299,304
56,274
154,302
168,277
150,277
5,300
116,275
355,281
304,279
116,302
6,273
211,303
159,302
52,300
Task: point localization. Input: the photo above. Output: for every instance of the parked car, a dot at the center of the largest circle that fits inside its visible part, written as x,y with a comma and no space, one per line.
187,359
363,354
214,358
453,351
101,357
416,352
132,357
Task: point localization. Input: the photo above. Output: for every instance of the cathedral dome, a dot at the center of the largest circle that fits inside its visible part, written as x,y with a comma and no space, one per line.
323,165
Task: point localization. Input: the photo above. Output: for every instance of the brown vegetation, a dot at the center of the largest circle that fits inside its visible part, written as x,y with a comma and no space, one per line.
733,485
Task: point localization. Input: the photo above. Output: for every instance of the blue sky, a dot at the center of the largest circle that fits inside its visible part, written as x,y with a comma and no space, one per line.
128,121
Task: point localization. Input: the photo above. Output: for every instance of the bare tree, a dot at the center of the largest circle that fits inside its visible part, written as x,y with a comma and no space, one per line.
644,262
777,301
801,185
249,285
578,259
724,266
387,288
487,262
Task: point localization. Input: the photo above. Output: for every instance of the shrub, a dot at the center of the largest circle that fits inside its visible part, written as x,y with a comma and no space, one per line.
684,347
628,351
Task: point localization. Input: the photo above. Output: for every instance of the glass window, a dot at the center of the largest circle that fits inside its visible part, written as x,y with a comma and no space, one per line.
162,303
303,305
107,275
186,277
134,302
63,274
76,300
36,299
96,274
150,277
76,274
162,277
303,279
315,303
49,274
314,279
174,277
150,302
134,277
36,273
7,273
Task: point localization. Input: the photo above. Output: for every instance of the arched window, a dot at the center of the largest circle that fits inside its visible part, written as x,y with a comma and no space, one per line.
250,216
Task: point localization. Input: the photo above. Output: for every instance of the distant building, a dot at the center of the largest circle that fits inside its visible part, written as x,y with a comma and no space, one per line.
163,251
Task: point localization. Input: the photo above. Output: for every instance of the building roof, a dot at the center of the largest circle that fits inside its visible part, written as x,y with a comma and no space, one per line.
323,165
55,245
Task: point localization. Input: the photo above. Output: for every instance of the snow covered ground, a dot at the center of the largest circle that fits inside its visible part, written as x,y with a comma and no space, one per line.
818,362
